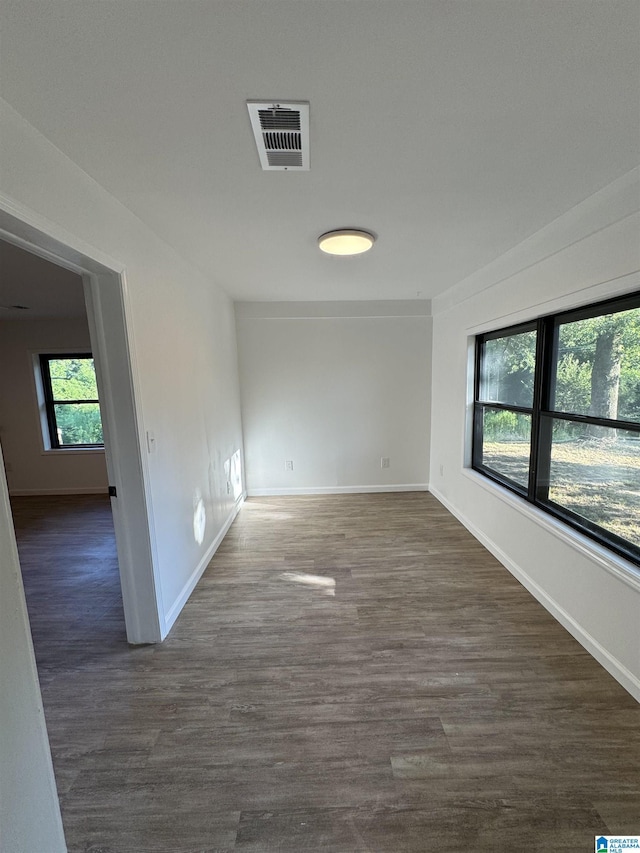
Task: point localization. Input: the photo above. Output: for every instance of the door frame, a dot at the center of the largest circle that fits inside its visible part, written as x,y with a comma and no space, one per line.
107,302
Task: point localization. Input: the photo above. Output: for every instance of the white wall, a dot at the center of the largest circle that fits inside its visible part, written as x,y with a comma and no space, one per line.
31,469
334,387
29,811
589,254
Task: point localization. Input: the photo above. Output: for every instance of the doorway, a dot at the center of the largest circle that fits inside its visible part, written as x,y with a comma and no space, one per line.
104,288
53,450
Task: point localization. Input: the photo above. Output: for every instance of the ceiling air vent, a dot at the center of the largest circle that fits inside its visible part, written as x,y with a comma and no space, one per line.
282,134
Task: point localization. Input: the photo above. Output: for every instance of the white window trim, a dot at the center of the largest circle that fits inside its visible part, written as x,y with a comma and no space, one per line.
613,563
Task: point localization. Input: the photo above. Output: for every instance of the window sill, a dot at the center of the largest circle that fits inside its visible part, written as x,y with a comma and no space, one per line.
622,569
65,451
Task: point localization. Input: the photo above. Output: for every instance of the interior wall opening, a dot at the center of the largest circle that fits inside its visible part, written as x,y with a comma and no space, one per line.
104,301
61,510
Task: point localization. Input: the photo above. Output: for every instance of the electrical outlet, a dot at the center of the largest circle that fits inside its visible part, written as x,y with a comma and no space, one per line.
385,462
288,465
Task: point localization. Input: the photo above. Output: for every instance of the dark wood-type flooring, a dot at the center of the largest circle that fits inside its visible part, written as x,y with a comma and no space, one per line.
424,702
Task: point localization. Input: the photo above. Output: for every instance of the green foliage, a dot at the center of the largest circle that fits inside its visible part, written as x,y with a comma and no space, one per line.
503,425
630,393
79,423
73,379
576,355
508,369
573,384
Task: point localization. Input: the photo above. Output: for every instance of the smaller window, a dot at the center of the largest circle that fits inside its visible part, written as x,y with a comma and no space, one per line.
71,400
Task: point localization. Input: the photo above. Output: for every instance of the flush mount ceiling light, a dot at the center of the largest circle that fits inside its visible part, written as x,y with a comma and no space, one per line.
346,241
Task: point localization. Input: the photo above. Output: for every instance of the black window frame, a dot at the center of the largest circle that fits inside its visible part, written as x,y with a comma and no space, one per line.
50,401
543,417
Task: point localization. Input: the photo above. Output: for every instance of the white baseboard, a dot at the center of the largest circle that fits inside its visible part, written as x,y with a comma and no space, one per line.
86,490
175,609
337,490
613,666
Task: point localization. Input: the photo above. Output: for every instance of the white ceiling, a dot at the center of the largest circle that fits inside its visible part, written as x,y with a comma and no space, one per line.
43,288
452,129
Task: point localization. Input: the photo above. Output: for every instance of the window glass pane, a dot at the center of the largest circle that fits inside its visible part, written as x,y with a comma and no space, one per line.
597,476
73,379
506,445
78,423
597,369
508,367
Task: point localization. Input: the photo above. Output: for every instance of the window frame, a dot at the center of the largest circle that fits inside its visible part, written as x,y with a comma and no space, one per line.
479,406
50,402
543,417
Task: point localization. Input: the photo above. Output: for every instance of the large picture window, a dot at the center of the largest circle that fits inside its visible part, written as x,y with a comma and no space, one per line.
71,400
557,417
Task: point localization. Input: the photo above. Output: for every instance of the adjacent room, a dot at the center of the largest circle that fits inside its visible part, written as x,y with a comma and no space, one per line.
319,425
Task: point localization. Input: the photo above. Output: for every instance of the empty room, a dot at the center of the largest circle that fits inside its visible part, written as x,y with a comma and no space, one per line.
319,426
